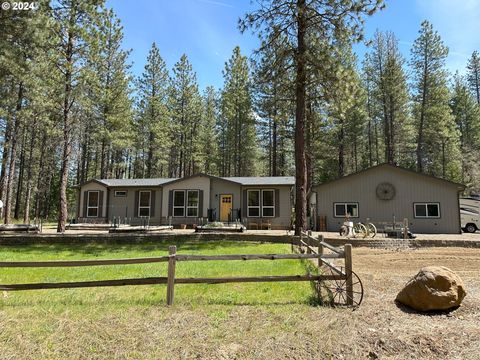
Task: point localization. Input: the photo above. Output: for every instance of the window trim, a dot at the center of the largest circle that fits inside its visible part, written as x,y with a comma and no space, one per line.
345,204
268,206
192,207
149,207
254,207
120,191
415,216
178,206
93,207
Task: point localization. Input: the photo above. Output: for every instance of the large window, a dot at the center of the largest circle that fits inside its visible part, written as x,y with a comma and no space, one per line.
93,200
178,203
260,203
144,203
253,203
342,209
268,203
192,203
427,210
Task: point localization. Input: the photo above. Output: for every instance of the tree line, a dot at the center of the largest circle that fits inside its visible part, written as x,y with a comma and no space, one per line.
302,104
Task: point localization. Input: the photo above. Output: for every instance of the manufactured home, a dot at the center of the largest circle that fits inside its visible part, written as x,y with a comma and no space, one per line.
385,194
256,201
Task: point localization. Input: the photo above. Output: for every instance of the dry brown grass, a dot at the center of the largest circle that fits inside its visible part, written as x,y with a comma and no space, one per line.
378,329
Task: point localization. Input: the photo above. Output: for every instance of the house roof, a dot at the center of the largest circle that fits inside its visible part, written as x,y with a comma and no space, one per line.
458,185
262,180
134,182
245,180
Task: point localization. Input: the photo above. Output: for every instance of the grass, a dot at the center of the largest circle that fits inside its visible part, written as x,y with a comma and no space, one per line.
195,295
231,321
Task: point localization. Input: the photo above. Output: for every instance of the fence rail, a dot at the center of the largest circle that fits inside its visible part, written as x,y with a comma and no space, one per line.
173,258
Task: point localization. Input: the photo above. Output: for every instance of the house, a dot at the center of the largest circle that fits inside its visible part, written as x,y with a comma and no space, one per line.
386,192
256,201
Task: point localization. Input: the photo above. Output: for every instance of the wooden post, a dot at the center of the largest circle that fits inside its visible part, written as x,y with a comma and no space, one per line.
405,229
320,249
348,272
172,250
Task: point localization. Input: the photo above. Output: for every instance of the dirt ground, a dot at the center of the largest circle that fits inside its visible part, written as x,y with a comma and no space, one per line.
384,330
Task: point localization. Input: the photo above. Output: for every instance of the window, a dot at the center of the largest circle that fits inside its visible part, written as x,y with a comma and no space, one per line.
253,203
268,203
192,203
427,210
93,199
120,193
178,203
342,209
144,201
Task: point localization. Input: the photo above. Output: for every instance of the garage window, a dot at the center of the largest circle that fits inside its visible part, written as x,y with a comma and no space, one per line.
342,209
427,210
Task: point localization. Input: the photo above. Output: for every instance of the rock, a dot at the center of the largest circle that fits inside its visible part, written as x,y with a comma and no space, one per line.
433,288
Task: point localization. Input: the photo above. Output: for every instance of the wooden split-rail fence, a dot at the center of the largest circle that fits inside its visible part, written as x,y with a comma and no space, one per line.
172,258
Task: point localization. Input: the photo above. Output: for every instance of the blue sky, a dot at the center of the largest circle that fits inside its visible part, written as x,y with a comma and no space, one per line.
206,30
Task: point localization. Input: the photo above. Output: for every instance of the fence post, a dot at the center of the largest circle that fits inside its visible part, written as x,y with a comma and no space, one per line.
405,229
172,250
348,273
320,250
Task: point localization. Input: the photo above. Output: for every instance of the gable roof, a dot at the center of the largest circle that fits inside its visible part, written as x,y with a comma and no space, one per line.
262,180
386,165
134,182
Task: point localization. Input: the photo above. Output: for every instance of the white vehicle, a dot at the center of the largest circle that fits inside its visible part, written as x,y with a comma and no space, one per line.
470,214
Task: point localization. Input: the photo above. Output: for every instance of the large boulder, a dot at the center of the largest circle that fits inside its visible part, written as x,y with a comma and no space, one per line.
433,288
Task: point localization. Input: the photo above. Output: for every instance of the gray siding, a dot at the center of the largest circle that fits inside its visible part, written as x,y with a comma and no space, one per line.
282,219
410,188
124,207
221,187
194,183
93,186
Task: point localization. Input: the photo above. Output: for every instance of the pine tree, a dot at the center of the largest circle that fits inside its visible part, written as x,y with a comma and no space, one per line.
473,74
109,98
435,125
306,25
208,133
152,120
467,117
389,97
185,110
239,153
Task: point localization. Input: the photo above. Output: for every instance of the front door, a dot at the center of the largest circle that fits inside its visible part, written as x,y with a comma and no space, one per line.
225,207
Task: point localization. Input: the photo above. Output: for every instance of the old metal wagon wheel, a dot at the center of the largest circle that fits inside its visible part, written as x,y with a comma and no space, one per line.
360,230
334,292
372,230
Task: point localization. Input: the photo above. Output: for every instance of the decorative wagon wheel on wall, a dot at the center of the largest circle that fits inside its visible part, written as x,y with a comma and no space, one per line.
334,292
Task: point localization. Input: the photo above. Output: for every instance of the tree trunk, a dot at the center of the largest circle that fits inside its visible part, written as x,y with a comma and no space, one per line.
66,145
16,211
28,194
300,93
13,156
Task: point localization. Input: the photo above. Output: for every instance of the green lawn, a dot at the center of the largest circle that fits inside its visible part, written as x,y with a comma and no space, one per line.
193,295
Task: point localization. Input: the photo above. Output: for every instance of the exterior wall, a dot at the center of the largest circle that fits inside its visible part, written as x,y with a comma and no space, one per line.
283,208
124,207
221,187
410,188
93,186
194,183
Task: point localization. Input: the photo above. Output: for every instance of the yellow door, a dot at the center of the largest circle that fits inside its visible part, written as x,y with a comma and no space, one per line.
225,207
